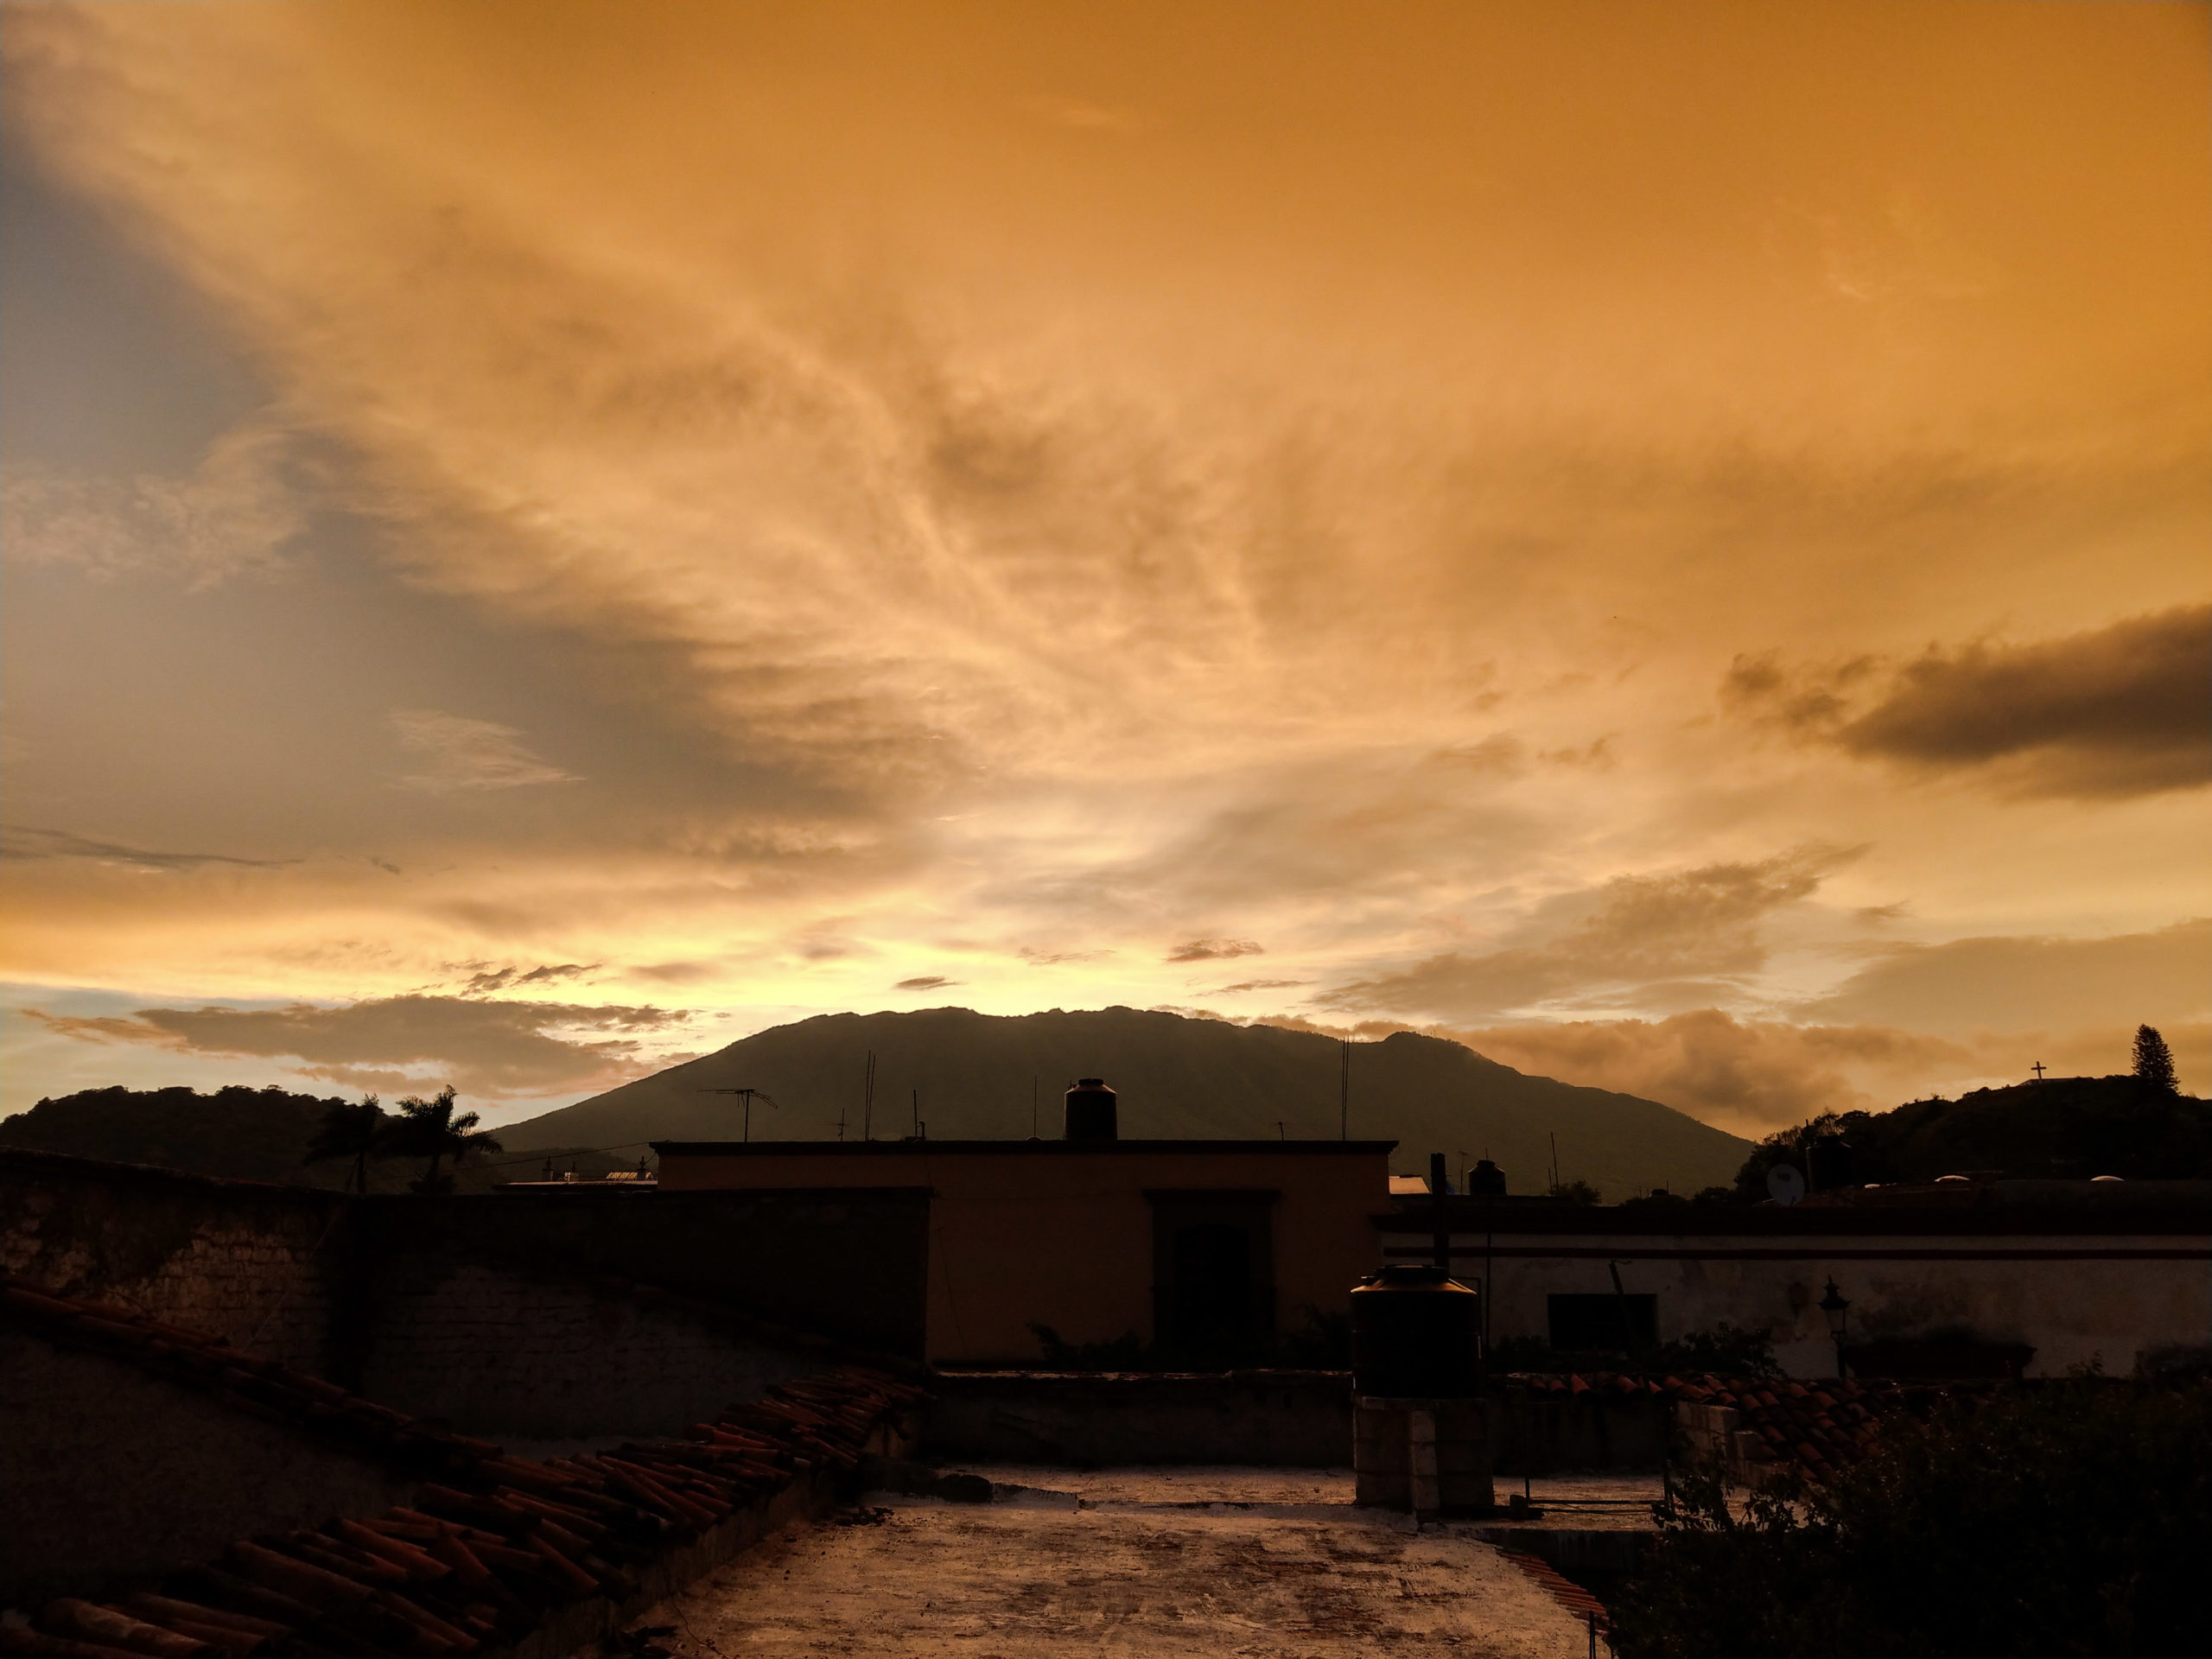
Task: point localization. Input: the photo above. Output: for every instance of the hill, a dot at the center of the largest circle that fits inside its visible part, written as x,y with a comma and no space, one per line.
256,1134
2059,1127
1178,1078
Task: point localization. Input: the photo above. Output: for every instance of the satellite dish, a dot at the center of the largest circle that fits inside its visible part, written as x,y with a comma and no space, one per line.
1785,1184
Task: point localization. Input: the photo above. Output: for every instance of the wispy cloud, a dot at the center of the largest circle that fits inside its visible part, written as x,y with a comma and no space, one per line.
469,754
27,842
1213,950
236,515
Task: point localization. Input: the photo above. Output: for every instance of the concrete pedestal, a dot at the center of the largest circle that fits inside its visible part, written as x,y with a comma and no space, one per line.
1432,1456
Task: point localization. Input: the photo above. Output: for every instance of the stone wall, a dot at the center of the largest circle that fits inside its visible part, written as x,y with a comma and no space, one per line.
502,1352
1278,1419
112,1475
554,1307
245,1260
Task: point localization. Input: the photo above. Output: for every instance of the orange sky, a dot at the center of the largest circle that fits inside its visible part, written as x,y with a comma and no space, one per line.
1670,539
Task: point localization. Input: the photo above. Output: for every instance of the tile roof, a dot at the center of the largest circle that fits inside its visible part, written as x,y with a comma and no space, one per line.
483,1557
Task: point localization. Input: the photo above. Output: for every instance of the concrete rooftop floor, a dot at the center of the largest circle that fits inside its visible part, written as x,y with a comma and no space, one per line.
1170,1562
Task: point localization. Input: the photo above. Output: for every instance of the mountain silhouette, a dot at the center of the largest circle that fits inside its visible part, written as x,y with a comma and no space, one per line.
1178,1079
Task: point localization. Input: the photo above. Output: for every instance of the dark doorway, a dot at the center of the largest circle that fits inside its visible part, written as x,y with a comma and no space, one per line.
1213,1275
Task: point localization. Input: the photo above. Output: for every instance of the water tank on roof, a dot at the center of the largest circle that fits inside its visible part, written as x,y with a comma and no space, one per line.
1416,1332
1485,1181
1091,1110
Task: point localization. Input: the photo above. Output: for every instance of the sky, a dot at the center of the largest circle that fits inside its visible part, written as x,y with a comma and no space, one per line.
1667,541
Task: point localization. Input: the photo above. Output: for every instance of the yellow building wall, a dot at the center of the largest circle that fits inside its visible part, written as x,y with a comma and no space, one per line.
1064,1238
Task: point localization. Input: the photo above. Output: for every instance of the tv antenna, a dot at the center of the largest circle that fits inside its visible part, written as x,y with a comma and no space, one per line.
747,1097
1785,1184
867,1101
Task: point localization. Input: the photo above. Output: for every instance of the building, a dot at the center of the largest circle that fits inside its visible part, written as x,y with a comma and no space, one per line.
1956,1278
1215,1250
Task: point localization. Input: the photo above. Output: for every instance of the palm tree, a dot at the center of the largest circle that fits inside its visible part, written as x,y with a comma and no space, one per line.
428,1129
356,1132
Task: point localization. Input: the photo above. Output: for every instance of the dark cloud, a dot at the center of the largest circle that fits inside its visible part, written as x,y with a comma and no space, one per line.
28,843
1257,985
502,978
924,983
2019,983
1635,931
1214,950
487,1050
2120,710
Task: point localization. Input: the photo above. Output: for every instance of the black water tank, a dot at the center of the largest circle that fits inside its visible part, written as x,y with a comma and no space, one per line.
1091,1110
1415,1332
1485,1181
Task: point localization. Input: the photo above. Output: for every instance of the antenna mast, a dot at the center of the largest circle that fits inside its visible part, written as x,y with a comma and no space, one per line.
747,1095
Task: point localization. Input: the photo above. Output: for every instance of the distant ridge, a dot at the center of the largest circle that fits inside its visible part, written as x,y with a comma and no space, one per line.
1178,1079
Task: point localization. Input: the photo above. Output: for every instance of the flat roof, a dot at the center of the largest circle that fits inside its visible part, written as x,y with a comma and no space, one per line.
1002,1148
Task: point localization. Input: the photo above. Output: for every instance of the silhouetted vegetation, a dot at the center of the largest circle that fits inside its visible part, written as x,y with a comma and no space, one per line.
358,1131
264,1134
1575,1193
431,1129
2062,1127
2065,1519
2154,1061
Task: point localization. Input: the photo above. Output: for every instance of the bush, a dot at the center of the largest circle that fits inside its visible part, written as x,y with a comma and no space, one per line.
2071,1518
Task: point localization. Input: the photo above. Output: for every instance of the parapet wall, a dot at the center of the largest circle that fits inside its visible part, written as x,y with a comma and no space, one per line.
540,1316
1278,1419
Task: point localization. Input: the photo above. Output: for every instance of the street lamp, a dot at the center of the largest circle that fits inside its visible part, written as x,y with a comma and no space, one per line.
1838,1311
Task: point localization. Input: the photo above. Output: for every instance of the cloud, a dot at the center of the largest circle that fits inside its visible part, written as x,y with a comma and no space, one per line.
482,985
2023,983
2115,711
1638,935
1213,950
26,842
1752,1077
487,1050
1243,986
234,515
924,983
469,754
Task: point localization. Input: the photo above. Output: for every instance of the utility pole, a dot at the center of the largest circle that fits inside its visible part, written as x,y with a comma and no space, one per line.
867,1101
1343,1095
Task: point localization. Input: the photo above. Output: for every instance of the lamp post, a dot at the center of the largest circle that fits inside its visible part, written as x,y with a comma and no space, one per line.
1838,1312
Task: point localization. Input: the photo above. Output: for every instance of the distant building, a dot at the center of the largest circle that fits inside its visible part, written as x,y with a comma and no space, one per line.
1957,1278
1212,1249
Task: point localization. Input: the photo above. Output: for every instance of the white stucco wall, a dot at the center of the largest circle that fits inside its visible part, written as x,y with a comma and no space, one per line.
2075,1300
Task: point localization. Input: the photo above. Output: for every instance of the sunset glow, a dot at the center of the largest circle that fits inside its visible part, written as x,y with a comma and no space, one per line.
1667,541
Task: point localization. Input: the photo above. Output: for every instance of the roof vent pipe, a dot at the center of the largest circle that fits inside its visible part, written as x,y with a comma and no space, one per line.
1091,1110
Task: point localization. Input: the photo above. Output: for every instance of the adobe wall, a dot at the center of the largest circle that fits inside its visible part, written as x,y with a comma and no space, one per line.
502,1353
1269,1419
245,1260
1041,1232
125,1474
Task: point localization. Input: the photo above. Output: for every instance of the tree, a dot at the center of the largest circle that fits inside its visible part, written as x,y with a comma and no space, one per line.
1576,1193
2154,1061
358,1131
2070,1520
430,1128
